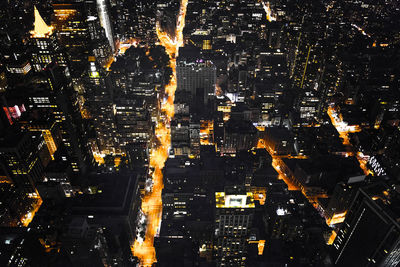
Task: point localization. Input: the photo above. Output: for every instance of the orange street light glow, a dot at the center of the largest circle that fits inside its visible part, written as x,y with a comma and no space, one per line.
344,130
28,217
151,202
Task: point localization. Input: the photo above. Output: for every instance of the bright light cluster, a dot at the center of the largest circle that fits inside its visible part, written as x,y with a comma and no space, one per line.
41,29
268,11
344,129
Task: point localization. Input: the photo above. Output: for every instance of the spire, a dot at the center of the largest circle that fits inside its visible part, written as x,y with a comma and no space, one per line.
41,29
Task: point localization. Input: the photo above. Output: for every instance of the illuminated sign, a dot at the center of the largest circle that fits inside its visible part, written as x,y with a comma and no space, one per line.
14,112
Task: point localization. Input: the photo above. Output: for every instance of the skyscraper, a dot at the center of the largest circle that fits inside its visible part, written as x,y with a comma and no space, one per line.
105,21
19,160
234,210
99,101
45,48
72,32
370,234
196,76
51,94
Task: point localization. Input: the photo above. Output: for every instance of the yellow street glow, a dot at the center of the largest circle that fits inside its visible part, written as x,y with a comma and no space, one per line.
152,202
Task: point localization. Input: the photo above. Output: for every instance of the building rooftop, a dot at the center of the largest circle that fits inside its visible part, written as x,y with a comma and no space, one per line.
386,197
233,198
107,194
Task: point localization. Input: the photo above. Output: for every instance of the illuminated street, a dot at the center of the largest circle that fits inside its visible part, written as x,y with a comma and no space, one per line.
27,218
344,130
181,133
151,202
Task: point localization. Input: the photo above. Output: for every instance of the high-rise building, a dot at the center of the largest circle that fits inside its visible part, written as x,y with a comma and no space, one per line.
133,120
370,234
308,107
45,48
52,95
239,135
105,22
99,102
48,128
20,160
99,44
196,76
343,194
135,21
72,32
194,136
180,137
234,210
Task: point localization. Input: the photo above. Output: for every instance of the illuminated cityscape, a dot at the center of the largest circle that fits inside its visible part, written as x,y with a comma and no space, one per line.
199,133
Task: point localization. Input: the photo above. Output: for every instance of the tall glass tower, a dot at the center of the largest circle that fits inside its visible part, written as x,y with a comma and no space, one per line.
105,21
